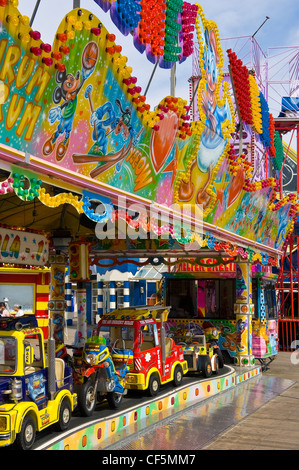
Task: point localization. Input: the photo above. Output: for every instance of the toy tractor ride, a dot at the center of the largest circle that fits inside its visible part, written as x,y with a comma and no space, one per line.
201,351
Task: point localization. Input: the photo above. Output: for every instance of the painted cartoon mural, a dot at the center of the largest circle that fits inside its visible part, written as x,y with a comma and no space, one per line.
217,120
76,105
67,90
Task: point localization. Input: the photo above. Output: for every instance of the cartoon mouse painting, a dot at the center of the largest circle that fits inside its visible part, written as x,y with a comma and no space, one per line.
67,90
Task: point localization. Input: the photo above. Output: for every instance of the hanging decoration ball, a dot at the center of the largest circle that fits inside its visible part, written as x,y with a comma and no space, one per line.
35,35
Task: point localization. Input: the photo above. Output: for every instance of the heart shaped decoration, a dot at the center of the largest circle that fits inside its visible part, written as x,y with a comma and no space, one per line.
162,141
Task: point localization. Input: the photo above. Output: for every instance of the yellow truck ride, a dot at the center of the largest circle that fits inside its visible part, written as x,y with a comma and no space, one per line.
36,389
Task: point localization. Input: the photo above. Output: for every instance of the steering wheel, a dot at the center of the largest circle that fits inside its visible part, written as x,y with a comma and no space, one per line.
113,349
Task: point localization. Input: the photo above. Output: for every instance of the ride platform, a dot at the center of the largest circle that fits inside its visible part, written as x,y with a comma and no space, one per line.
139,412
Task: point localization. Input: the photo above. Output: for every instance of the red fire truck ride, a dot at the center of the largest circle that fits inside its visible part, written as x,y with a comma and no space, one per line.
136,335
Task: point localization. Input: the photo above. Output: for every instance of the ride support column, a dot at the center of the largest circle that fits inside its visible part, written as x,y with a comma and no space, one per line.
244,310
68,301
81,315
57,302
79,272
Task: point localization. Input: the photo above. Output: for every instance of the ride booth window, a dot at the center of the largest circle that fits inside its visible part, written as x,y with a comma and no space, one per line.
216,298
201,298
21,294
181,296
264,298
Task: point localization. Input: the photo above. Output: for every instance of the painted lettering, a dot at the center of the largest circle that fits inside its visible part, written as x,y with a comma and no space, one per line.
4,251
143,174
184,267
15,247
40,249
29,118
3,44
24,71
141,168
14,110
4,94
12,56
40,79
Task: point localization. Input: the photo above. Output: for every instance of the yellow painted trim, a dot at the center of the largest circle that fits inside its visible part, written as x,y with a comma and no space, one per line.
140,380
13,151
292,154
42,322
41,305
24,271
42,289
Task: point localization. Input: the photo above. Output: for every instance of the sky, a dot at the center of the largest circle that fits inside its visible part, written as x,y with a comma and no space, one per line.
233,18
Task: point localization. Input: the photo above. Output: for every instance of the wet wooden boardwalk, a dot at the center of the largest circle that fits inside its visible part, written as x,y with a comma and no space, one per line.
275,425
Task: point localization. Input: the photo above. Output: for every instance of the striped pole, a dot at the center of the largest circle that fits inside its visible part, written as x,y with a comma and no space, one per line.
112,295
68,300
126,293
100,306
42,300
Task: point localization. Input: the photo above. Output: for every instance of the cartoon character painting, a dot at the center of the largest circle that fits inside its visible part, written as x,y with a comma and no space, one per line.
67,90
241,329
240,285
105,116
107,122
58,322
214,114
58,279
213,142
36,388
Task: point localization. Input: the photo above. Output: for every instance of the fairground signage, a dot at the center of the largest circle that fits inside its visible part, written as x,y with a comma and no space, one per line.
25,248
188,267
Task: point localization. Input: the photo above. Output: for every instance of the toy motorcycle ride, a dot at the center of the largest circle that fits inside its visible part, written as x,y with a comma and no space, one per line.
61,353
96,377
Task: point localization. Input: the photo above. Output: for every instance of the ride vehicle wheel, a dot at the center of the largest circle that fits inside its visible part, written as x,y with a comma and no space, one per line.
153,385
26,437
87,398
65,415
207,367
114,399
216,365
178,376
220,358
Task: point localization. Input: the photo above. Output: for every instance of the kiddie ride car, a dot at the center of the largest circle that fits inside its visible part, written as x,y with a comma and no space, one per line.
201,351
212,333
96,376
35,390
155,359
